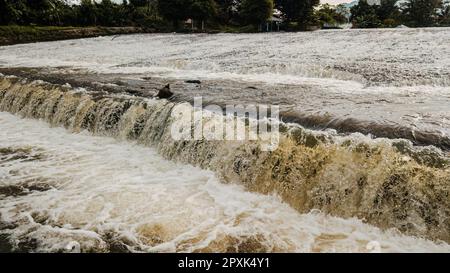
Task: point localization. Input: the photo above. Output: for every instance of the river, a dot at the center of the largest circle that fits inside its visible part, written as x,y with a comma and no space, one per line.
362,164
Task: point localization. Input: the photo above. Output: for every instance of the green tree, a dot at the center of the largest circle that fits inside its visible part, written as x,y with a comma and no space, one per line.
174,10
388,9
202,10
327,14
444,14
364,15
343,11
227,10
388,13
421,13
36,11
87,13
149,6
65,14
107,13
12,12
256,12
300,11
139,3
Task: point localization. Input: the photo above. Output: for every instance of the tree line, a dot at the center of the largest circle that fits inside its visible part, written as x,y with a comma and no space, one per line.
87,13
148,12
392,13
296,14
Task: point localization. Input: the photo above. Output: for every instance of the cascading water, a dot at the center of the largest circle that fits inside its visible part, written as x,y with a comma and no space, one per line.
388,183
64,192
379,152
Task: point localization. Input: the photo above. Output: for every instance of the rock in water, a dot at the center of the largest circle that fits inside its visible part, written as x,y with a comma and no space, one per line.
165,93
193,81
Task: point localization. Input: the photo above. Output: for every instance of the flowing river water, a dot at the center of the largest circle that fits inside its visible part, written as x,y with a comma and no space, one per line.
93,166
66,192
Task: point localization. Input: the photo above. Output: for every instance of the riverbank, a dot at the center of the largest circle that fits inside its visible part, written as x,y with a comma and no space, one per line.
10,35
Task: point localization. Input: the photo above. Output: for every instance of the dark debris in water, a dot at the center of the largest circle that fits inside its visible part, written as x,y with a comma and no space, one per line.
193,81
116,244
5,244
426,156
27,154
23,189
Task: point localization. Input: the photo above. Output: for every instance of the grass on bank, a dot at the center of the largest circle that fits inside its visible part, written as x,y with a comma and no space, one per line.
14,34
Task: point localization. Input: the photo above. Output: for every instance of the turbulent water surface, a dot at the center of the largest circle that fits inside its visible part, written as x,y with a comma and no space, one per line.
389,83
63,192
375,57
115,180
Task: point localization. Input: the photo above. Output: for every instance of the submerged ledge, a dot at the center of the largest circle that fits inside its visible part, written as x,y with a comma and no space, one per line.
295,104
387,183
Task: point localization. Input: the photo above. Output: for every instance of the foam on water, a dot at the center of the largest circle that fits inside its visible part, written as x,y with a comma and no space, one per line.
385,82
99,194
65,192
388,183
395,57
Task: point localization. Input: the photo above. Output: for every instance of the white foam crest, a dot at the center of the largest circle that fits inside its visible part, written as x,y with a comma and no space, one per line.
395,57
101,186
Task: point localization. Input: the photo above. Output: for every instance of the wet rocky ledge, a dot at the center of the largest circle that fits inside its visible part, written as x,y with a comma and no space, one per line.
382,116
389,184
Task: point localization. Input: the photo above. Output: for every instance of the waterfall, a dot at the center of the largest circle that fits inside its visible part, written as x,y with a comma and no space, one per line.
388,183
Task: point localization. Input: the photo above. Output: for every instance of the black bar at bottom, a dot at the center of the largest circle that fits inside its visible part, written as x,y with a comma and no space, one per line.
223,262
